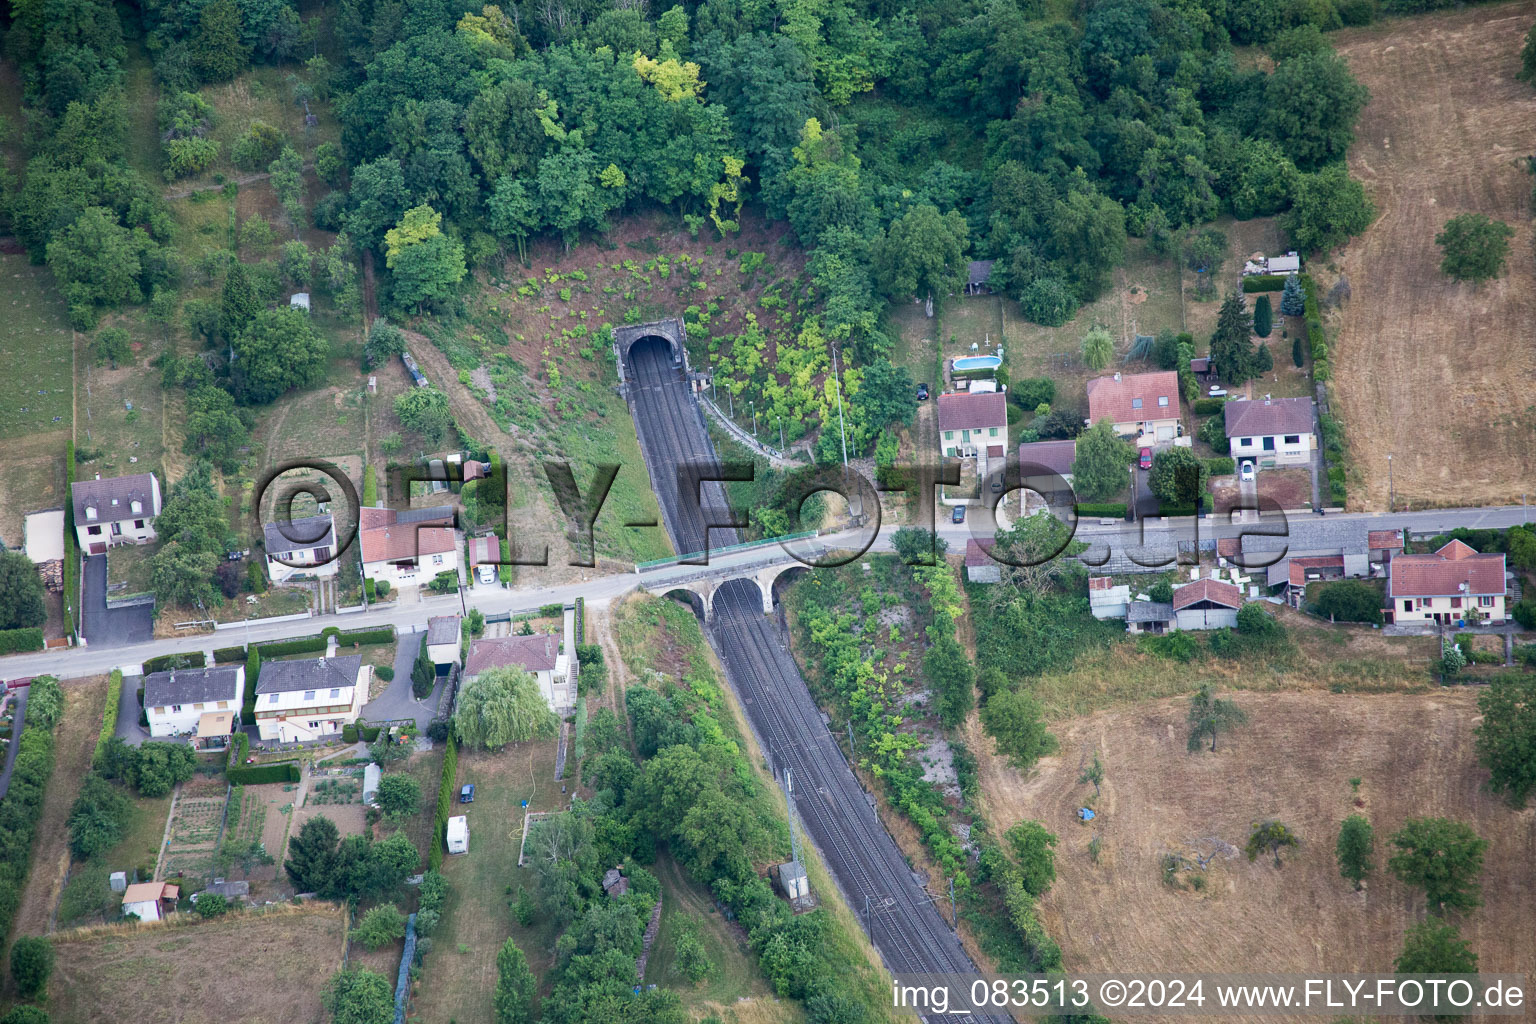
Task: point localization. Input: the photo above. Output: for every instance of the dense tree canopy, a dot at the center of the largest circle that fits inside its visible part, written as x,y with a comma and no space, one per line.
280,350
1475,247
501,706
21,592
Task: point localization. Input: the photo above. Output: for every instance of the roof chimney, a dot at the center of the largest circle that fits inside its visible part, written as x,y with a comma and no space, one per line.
98,476
1117,375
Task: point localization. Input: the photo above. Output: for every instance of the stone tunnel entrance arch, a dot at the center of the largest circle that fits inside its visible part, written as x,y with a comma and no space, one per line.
670,331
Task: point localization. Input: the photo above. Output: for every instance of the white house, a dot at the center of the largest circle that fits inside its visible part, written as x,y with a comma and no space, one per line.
197,702
973,425
407,547
542,654
1206,604
305,700
301,548
1143,406
442,639
117,510
143,899
1271,431
1455,584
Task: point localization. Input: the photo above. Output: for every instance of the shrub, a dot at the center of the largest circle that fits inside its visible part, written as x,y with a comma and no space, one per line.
1175,646
380,926
1349,601
211,904
260,774
1101,510
258,147
1264,283
1221,466
399,795
98,817
31,964
382,587
1207,406
385,672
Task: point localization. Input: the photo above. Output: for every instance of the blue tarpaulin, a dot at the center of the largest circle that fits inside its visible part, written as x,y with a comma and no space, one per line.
1082,812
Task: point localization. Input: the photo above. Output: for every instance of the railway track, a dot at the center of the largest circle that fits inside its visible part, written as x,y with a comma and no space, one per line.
868,866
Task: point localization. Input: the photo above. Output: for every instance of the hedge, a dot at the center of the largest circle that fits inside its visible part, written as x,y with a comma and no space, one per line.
551,609
368,590
71,546
301,645
444,803
252,673
349,733
581,620
192,659
370,733
109,715
238,750
13,641
21,809
382,635
262,774
1101,510
1264,283
1220,466
228,655
1206,406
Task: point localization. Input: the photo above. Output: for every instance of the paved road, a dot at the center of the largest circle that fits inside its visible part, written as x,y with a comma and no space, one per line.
399,702
1306,532
11,747
111,627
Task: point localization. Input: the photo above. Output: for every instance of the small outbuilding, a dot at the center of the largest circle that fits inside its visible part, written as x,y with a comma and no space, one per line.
372,774
1148,617
980,566
979,277
1206,604
299,300
458,834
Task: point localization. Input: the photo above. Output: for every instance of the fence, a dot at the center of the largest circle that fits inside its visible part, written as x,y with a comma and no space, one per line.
716,552
296,616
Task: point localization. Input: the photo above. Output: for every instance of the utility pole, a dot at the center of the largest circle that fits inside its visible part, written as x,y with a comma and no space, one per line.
1391,493
781,435
837,379
954,921
753,403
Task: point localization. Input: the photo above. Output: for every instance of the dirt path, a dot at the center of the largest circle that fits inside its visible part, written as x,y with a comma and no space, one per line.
467,409
600,625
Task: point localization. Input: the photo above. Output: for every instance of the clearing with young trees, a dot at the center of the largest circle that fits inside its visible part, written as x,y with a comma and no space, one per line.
1439,373
1293,762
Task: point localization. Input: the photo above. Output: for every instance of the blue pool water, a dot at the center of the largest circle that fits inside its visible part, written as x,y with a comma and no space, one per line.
970,364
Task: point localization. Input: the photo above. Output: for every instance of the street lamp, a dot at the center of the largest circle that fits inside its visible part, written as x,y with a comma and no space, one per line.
1391,494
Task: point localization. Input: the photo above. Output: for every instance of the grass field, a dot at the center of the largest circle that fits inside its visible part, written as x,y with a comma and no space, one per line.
1447,131
1293,762
457,985
36,362
74,743
163,972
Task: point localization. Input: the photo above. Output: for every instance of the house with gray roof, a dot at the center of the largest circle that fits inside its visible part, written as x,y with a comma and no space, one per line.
310,699
198,703
302,548
117,510
1271,431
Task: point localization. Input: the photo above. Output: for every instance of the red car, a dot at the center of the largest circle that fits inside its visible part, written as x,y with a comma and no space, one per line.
1146,458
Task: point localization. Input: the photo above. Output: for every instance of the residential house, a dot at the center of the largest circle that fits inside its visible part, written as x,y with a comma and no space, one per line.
980,566
1148,617
117,510
973,425
302,548
1454,585
1383,544
1107,601
410,546
298,701
143,899
442,641
544,655
197,702
1206,604
1143,406
978,277
1271,431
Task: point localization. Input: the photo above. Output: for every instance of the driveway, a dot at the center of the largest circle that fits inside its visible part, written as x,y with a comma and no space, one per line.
398,702
128,728
104,627
15,741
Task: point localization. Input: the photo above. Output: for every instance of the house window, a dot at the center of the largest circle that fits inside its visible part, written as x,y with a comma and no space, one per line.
1407,606
1269,443
335,693
309,695
1162,401
314,725
965,435
160,711
1455,602
1246,442
437,559
94,531
198,706
175,709
949,435
117,529
322,554
1293,439
992,432
223,705
274,698
1135,403
1485,602
138,524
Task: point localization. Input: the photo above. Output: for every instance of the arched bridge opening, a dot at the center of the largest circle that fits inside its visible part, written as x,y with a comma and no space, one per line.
665,334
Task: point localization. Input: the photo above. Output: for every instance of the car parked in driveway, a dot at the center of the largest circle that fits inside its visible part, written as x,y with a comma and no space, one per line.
467,794
485,573
1247,471
958,515
1146,458
922,392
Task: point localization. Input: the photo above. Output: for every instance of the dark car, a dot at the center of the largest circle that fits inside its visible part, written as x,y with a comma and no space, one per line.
1146,458
958,516
922,392
467,794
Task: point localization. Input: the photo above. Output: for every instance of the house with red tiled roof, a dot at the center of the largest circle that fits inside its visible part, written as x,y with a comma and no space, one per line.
973,424
1454,584
1383,544
1144,406
407,547
1206,604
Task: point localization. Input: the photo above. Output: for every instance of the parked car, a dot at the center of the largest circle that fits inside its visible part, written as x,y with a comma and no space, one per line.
467,794
486,573
1217,391
1146,458
922,392
1247,470
958,515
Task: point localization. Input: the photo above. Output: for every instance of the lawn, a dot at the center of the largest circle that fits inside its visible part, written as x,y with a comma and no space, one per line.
36,361
128,569
121,413
85,899
74,744
163,973
459,977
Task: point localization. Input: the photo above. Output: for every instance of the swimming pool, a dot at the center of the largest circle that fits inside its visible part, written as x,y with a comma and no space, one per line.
977,364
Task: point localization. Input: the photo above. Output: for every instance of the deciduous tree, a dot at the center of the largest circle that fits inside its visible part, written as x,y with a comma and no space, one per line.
1355,848
923,254
515,986
359,996
1442,857
278,352
1032,845
1210,715
1506,737
31,965
1015,720
426,263
1475,247
21,592
501,706
1100,471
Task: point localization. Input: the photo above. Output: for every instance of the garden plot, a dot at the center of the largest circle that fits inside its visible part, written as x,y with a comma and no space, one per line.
192,845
